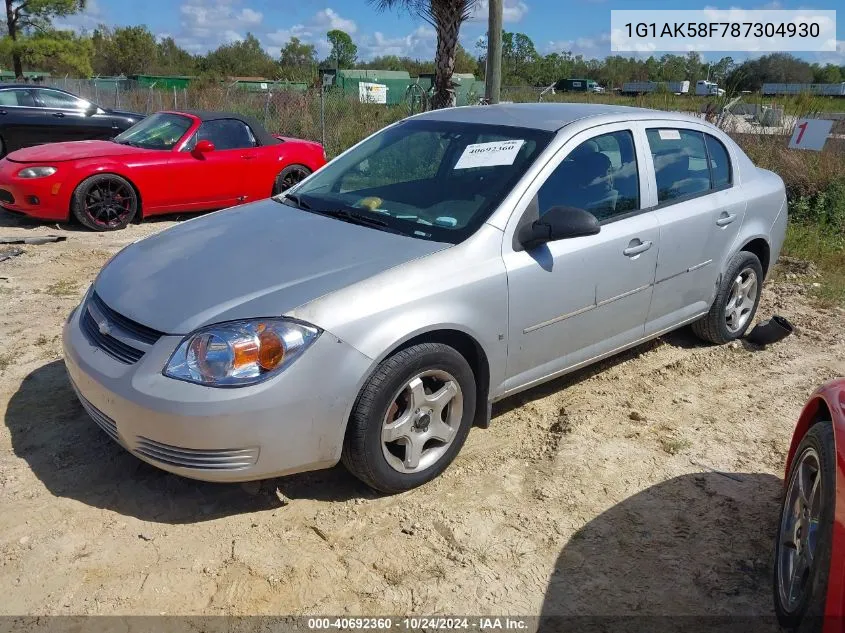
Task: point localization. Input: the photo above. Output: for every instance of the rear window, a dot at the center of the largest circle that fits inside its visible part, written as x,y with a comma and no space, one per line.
687,163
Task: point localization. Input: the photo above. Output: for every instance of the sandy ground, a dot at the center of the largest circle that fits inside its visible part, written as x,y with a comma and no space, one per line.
646,485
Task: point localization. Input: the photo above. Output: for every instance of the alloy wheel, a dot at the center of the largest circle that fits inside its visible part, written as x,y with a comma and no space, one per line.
422,421
741,300
108,202
799,529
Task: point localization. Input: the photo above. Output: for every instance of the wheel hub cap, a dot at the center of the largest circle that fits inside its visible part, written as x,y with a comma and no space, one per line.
422,421
799,527
741,301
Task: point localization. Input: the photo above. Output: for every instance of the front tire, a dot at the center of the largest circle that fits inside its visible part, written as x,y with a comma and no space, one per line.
411,418
804,538
736,301
289,176
105,202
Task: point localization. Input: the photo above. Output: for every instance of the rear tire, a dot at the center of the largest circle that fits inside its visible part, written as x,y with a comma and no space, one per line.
411,418
736,301
105,202
806,536
289,176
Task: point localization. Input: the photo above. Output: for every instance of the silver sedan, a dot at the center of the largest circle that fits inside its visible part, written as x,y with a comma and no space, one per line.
373,313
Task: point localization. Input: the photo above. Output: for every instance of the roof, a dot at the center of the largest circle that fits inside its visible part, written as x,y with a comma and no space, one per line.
261,135
544,116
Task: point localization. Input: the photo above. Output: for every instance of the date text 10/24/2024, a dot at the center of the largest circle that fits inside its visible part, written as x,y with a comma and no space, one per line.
419,623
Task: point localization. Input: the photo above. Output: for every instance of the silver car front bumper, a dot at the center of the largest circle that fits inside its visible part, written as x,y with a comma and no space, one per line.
291,423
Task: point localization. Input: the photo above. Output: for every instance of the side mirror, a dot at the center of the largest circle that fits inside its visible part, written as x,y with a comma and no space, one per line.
92,109
203,147
558,223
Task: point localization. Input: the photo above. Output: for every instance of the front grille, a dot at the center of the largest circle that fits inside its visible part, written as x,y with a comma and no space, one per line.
114,348
102,420
209,459
133,329
7,197
101,332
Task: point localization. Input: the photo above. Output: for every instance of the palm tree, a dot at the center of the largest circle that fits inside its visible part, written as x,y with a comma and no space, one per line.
446,16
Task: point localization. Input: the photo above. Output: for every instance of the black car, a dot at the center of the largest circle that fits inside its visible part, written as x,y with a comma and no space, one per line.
33,115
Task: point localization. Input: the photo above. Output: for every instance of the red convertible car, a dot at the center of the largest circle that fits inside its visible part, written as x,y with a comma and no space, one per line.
809,578
168,162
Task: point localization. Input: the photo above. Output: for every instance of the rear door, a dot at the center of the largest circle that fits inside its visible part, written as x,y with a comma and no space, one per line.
699,211
69,118
20,120
220,178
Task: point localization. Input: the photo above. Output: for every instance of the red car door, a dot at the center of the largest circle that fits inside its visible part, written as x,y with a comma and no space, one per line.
217,178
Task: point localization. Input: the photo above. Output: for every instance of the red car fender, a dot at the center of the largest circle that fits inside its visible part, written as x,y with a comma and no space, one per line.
832,397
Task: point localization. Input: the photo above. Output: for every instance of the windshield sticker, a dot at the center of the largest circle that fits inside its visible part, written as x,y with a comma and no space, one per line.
669,135
489,154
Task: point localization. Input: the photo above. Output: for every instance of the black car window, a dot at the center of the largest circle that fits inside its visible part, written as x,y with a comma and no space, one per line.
720,163
16,97
680,163
62,100
599,176
226,134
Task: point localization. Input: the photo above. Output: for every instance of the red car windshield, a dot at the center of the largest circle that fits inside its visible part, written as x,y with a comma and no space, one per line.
159,131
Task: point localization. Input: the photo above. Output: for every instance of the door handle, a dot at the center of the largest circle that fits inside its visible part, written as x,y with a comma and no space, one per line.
636,247
725,219
59,115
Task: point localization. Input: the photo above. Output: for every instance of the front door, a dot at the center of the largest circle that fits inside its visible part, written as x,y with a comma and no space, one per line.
68,118
575,299
219,178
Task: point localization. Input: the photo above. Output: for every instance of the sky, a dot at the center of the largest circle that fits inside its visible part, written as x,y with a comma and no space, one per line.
580,26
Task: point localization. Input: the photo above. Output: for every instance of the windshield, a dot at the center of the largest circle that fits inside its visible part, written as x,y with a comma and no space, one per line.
437,180
159,131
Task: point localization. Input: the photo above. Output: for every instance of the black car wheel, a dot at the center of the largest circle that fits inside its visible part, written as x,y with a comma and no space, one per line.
803,545
106,202
289,176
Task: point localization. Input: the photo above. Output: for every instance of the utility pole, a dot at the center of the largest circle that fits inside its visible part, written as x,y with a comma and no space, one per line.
493,80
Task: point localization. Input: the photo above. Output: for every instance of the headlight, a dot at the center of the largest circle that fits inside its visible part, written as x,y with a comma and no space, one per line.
36,172
240,353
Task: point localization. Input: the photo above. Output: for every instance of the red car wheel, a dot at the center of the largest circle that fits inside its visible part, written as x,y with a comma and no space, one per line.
289,176
803,546
105,202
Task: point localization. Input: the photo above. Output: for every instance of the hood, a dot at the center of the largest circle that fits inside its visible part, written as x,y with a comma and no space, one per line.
259,260
72,150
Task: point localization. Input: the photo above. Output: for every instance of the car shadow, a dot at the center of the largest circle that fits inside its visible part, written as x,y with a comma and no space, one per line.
683,338
692,553
74,459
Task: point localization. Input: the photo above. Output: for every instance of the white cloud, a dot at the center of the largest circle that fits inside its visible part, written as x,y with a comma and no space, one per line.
84,21
206,24
328,19
512,11
589,47
312,32
419,44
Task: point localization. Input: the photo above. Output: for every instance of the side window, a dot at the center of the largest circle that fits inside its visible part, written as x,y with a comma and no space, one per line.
18,97
61,100
720,162
600,176
680,163
226,134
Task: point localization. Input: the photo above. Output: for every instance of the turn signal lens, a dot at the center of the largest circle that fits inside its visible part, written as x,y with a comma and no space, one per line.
271,350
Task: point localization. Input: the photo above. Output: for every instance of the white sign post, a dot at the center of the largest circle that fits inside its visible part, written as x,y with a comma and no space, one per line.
810,134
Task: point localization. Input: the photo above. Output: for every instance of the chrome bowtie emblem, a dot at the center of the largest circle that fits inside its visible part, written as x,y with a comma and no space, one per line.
104,327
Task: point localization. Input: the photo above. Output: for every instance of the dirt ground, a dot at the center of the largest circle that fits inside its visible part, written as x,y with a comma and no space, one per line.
646,485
